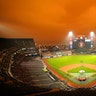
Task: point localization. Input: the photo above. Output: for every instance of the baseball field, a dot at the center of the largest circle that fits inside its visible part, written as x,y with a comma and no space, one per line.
75,68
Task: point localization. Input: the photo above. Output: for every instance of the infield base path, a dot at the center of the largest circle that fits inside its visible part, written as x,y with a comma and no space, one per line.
71,66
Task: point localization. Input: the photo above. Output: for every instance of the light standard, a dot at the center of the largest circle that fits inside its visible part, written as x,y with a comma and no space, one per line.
70,35
92,35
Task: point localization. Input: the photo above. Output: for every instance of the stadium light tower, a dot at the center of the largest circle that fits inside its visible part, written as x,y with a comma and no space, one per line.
70,35
92,35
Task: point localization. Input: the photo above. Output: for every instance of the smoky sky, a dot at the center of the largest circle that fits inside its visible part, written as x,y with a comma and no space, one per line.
47,21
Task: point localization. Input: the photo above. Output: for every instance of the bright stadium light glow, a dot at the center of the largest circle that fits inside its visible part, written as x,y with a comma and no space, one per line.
70,34
81,37
92,34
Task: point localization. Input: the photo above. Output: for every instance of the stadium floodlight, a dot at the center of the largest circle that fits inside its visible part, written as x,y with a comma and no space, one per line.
92,34
81,37
70,34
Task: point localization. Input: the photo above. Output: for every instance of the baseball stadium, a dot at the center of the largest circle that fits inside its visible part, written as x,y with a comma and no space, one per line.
78,70
30,70
78,66
47,47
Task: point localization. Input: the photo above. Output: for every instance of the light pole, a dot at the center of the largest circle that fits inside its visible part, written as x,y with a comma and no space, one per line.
92,35
70,35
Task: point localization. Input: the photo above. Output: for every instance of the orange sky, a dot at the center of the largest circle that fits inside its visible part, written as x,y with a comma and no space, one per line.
47,21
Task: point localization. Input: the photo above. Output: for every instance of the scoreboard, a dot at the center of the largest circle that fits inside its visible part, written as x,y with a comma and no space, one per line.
82,44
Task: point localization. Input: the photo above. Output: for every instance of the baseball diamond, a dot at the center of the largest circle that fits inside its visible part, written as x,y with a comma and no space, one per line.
68,68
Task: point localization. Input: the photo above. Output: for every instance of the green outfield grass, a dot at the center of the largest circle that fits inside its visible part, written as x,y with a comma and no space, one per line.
75,59
57,63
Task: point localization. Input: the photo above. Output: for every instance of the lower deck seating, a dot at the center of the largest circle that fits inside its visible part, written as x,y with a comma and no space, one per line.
33,74
29,78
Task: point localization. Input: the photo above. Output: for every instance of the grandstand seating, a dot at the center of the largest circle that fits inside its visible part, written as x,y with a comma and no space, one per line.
21,75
